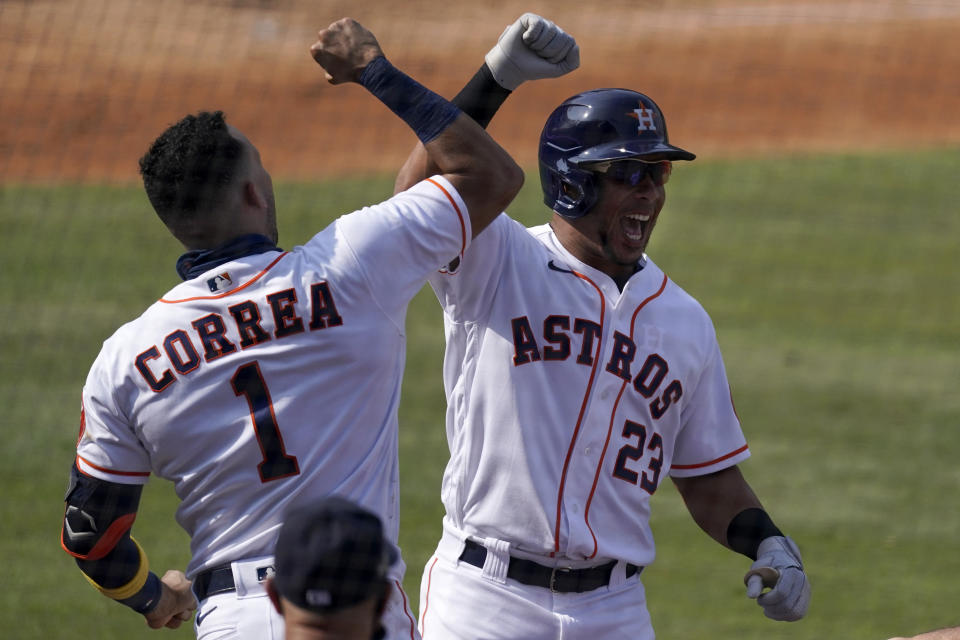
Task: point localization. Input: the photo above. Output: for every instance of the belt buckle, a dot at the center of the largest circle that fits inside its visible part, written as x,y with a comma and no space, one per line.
553,577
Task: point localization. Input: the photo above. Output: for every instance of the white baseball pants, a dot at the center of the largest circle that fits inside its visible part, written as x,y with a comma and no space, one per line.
461,602
248,614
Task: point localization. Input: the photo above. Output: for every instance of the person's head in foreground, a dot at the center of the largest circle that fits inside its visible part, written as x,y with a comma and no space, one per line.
331,572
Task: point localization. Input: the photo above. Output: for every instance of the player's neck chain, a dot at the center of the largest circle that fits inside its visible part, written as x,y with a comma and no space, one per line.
194,263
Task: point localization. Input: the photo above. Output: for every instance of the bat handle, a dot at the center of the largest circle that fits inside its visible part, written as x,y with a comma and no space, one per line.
768,577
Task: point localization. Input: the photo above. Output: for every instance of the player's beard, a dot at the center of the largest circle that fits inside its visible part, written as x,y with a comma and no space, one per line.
634,254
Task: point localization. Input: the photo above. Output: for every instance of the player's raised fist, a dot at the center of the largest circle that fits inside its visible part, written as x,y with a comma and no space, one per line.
344,49
530,49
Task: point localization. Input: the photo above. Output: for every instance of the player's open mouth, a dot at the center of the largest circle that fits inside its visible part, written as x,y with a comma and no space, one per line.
633,226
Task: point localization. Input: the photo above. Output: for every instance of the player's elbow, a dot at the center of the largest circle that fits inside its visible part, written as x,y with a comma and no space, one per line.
516,178
502,182
509,182
489,192
98,516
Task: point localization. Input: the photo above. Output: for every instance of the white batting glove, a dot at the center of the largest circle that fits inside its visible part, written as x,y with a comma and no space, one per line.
779,568
530,49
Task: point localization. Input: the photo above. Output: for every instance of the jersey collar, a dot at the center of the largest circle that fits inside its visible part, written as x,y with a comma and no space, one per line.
198,261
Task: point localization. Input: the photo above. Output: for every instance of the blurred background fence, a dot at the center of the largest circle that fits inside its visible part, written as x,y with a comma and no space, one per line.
818,226
87,84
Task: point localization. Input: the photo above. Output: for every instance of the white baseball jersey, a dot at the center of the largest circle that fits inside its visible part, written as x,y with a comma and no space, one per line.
273,378
569,402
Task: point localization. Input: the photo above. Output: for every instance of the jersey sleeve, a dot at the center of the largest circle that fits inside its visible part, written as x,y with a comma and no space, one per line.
710,438
466,286
108,447
399,242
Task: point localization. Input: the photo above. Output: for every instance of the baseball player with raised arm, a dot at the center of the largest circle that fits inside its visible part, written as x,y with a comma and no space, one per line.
268,378
578,377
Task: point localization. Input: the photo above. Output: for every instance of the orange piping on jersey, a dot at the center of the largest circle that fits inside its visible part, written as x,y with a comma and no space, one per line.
583,408
463,225
111,471
613,413
232,291
83,421
710,462
406,610
426,598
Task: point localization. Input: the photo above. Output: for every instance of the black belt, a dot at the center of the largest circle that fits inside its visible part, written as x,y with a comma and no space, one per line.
556,579
213,581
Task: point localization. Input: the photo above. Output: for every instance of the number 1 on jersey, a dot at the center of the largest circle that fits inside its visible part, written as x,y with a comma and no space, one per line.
247,381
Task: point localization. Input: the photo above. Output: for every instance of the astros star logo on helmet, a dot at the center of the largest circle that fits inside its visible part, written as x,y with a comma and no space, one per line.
644,119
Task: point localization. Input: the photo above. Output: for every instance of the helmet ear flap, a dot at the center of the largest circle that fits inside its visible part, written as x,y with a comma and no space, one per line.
576,193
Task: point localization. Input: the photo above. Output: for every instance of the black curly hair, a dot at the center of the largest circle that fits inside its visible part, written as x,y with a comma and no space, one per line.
187,167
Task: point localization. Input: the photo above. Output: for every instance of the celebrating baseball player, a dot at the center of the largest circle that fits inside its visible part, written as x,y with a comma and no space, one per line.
578,377
268,378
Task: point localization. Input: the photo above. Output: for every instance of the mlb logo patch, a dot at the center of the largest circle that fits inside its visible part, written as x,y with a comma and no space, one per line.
220,282
265,572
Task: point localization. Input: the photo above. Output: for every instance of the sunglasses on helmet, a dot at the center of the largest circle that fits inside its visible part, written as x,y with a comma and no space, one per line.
632,171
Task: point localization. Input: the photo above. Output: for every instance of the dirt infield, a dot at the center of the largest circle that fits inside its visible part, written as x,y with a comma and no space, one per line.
92,82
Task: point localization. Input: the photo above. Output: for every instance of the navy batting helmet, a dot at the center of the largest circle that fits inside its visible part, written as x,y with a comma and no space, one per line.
591,127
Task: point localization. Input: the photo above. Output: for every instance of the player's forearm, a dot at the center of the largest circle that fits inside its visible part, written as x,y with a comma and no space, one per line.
724,505
480,99
96,532
124,575
484,174
716,500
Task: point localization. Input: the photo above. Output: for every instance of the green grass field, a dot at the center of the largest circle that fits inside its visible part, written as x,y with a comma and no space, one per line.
833,286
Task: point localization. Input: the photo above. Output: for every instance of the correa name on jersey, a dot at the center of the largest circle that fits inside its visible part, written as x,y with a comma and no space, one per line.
180,352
